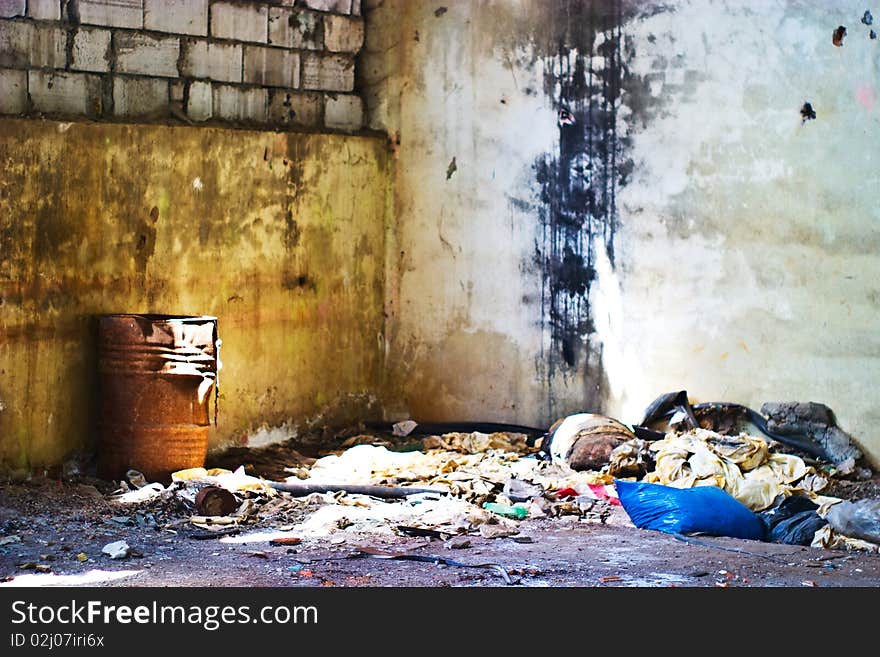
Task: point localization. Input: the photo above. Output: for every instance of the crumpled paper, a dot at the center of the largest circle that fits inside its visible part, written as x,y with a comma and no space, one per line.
477,442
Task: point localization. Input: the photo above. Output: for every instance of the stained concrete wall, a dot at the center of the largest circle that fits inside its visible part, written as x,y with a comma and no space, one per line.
598,202
281,236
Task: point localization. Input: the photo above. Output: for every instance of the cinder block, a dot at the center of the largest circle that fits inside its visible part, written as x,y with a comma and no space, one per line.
15,43
12,8
199,105
239,22
215,61
44,10
146,54
239,104
272,67
13,91
24,44
113,13
328,73
140,97
344,112
295,29
65,93
48,47
338,6
343,34
288,108
91,50
177,16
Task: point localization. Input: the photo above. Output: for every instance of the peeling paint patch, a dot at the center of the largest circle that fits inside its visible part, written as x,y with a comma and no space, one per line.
266,435
807,113
837,37
452,168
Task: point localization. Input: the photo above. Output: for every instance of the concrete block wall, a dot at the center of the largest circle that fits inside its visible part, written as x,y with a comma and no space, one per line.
281,64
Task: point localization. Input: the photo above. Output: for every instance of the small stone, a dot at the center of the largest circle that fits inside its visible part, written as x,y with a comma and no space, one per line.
117,550
497,531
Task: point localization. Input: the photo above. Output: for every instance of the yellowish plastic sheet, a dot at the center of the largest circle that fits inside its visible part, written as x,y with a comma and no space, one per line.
742,465
236,481
828,538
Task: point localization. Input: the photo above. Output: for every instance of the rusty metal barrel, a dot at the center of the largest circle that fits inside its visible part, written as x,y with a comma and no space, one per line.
156,374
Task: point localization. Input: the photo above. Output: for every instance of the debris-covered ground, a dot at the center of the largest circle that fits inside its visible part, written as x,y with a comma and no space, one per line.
489,513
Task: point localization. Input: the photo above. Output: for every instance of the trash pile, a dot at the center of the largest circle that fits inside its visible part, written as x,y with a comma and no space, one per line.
703,474
457,484
760,481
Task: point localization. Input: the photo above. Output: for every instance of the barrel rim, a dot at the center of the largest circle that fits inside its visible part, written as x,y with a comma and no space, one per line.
158,317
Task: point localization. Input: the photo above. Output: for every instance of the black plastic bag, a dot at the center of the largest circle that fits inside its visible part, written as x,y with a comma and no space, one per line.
793,522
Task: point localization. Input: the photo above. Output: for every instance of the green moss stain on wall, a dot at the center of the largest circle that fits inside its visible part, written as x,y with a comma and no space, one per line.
281,236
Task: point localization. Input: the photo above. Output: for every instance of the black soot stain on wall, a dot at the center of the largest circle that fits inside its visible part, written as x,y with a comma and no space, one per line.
579,182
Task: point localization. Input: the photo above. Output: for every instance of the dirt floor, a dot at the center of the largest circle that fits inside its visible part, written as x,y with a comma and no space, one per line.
62,525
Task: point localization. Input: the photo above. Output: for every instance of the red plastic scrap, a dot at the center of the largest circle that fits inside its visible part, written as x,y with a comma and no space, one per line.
597,491
604,492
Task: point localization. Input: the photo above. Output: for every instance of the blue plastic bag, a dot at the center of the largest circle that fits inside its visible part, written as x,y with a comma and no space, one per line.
704,509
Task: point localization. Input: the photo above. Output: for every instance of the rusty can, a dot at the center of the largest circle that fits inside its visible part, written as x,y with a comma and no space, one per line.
156,374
